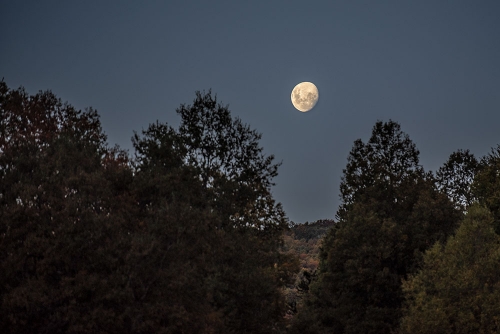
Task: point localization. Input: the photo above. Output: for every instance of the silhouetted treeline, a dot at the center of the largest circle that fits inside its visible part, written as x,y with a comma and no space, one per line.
185,236
412,252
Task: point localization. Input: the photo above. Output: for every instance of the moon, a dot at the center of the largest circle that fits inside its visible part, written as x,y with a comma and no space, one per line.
305,96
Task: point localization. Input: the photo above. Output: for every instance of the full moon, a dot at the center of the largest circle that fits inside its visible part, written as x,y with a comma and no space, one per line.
305,96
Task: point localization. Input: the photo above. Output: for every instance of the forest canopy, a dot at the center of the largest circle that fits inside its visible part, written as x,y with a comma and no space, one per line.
184,236
393,216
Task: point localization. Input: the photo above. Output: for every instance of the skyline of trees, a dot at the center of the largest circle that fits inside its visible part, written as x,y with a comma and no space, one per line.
391,212
185,235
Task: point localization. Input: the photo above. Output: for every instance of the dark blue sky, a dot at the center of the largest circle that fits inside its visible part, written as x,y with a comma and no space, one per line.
432,66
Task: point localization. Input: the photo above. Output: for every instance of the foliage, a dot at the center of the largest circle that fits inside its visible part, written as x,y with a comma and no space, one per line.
174,241
387,161
302,241
234,235
391,213
458,288
186,237
220,144
250,268
486,186
60,253
455,178
308,231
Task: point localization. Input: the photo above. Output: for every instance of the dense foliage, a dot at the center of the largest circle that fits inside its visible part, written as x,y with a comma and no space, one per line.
303,241
185,237
458,288
391,213
486,185
455,178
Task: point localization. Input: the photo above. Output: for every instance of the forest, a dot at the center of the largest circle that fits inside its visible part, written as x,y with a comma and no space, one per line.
184,235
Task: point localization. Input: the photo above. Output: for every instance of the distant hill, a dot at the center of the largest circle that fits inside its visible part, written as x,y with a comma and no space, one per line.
314,230
304,240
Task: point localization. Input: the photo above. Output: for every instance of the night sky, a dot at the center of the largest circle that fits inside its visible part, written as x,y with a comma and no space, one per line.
432,66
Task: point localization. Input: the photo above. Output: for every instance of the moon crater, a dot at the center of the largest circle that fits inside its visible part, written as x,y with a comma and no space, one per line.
304,96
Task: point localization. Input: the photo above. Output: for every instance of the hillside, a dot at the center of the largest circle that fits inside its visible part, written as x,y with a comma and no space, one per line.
304,240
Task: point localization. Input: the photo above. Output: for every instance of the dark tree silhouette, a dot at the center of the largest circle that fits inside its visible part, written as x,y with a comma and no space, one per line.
177,240
391,212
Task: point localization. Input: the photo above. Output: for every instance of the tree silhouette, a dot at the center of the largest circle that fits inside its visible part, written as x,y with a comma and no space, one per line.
93,242
391,212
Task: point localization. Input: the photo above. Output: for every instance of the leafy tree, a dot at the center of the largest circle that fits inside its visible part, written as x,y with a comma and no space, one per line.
230,162
239,228
91,242
455,178
386,162
458,288
167,262
391,212
60,251
217,142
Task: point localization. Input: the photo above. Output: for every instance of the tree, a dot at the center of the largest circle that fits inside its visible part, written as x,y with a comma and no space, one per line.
391,212
239,228
455,178
458,288
386,162
230,161
60,249
93,242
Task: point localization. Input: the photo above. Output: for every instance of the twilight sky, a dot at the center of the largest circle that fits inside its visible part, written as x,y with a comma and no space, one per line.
433,66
